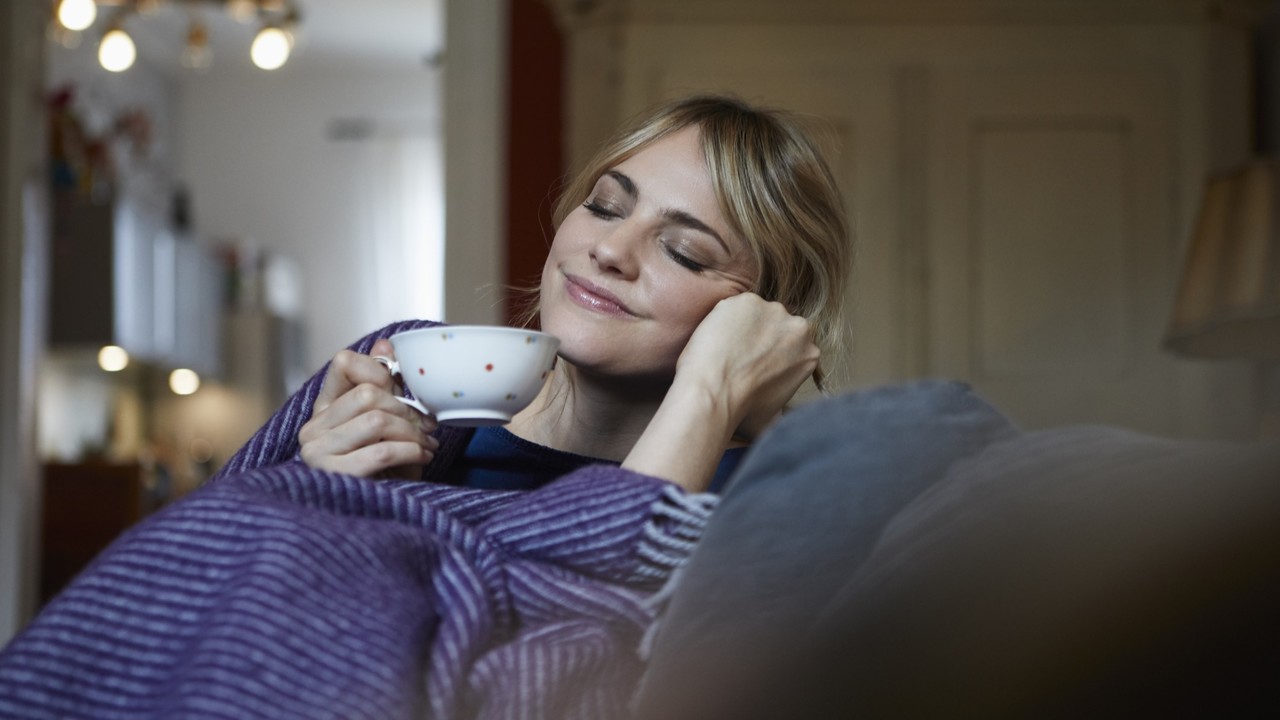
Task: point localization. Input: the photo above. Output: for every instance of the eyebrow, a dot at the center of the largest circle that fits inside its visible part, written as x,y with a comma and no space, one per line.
680,217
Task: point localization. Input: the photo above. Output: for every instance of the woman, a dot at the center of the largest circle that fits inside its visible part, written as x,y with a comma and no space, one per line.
695,272
697,267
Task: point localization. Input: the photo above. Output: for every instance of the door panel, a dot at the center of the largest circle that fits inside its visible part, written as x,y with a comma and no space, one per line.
1051,248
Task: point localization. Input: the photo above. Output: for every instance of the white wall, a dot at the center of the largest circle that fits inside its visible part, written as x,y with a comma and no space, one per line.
23,248
258,154
475,159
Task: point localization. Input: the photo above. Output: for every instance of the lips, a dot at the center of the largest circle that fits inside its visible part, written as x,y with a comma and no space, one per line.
587,294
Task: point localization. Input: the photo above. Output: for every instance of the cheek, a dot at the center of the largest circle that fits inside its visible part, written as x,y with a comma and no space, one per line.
687,301
557,245
548,269
571,234
556,253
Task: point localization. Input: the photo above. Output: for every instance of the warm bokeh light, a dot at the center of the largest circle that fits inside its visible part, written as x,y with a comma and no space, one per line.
68,39
117,51
200,450
183,381
197,55
242,10
77,14
113,358
270,48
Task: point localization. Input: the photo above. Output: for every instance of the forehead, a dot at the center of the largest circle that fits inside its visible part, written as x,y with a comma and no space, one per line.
676,156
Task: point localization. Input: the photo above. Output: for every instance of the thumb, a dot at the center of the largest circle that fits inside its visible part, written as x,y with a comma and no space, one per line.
383,347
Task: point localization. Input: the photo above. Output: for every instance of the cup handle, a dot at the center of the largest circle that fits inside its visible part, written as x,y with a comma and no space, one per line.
411,402
393,367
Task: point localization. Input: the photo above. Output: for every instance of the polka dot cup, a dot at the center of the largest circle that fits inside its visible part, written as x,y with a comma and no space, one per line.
471,375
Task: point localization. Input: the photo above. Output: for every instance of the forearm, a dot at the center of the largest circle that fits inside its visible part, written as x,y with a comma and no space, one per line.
685,440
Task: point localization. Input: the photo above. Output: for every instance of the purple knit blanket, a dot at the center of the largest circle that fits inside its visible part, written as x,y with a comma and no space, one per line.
279,591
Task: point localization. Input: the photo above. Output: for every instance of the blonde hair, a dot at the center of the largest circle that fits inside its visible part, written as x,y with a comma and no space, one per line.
775,190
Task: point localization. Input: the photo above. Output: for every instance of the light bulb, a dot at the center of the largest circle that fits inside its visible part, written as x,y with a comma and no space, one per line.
77,14
270,48
113,358
117,51
183,381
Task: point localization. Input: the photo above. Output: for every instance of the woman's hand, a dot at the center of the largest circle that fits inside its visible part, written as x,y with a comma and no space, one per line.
742,364
359,428
752,354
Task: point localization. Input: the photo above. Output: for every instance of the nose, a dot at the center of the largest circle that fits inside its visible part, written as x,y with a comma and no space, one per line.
618,251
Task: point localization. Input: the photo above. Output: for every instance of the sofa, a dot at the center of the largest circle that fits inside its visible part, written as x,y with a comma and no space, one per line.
897,552
908,552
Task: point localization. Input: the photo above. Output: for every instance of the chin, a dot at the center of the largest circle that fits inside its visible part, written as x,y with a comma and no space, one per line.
586,350
611,356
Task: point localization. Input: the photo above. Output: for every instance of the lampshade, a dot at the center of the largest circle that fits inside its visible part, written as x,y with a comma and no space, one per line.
1228,303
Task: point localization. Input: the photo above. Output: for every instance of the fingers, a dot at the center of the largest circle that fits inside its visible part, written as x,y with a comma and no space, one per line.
363,398
373,460
357,425
363,416
777,322
745,331
752,353
768,315
350,369
369,442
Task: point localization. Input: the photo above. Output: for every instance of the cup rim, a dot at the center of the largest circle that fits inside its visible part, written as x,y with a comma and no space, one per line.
477,330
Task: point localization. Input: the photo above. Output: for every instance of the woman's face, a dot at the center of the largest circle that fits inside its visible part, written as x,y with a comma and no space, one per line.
635,268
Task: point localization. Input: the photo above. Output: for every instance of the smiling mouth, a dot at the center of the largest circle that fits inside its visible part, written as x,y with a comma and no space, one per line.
593,297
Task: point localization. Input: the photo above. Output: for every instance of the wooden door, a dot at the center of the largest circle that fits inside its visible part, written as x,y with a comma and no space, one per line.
1054,243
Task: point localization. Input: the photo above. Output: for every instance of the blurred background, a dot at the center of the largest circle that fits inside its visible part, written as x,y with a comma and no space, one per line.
1071,204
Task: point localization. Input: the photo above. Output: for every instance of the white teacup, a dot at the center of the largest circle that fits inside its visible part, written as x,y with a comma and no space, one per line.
471,375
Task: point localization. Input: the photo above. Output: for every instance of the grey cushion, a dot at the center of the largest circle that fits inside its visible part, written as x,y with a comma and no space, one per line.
905,552
801,514
1079,572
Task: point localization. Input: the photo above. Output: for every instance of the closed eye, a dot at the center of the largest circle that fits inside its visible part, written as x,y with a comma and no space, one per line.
599,210
683,260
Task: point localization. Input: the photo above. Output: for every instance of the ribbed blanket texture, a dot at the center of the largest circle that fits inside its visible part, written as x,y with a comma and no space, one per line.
280,591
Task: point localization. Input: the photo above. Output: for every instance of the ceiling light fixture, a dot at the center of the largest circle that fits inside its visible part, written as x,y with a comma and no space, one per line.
117,52
270,48
77,14
278,21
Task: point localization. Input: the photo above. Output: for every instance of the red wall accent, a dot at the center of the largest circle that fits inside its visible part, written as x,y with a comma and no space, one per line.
535,158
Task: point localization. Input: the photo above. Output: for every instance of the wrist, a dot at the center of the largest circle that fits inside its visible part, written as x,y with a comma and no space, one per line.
702,401
686,437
